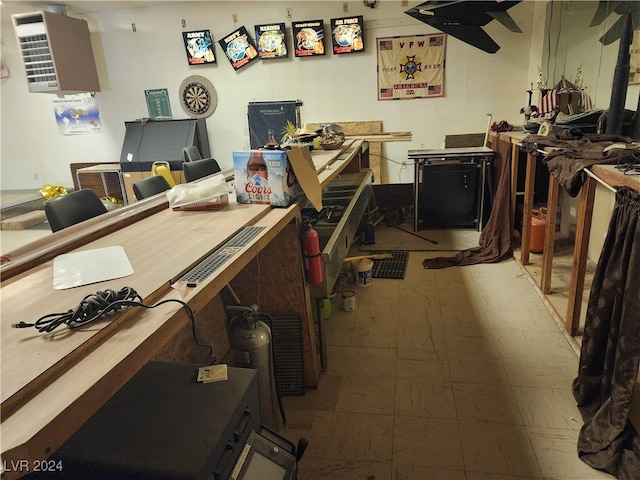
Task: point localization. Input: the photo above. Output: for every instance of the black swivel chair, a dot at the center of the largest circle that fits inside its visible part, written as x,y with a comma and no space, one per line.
189,154
72,208
150,186
200,168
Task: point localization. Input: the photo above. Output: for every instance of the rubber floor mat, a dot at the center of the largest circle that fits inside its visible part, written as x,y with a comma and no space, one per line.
391,267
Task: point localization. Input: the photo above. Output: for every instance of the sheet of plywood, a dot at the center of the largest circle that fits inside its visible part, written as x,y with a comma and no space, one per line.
24,221
362,128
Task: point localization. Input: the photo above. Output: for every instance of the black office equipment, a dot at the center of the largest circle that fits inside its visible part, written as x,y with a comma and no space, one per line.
267,456
164,425
150,140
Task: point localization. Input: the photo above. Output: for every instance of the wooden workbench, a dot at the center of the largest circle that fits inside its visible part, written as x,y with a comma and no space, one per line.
612,177
52,384
607,174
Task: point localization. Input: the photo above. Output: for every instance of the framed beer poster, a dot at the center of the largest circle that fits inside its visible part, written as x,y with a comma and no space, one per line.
239,48
271,41
346,34
308,38
199,47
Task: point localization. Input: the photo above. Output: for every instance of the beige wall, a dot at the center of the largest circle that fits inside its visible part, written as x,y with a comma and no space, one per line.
602,210
332,88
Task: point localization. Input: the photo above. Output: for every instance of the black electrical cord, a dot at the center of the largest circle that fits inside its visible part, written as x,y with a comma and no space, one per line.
96,305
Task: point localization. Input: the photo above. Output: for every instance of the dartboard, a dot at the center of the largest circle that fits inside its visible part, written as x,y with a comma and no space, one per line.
198,96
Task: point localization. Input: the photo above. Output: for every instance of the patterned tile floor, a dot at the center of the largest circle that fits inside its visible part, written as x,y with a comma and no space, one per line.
459,373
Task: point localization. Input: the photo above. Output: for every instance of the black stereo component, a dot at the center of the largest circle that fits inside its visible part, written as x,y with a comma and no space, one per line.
164,425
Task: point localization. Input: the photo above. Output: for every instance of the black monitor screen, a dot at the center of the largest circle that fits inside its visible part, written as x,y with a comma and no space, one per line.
262,468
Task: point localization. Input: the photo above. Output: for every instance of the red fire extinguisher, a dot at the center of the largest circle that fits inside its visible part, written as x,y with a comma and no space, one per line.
311,253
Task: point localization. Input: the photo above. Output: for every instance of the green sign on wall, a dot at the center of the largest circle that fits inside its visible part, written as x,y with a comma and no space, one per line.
158,103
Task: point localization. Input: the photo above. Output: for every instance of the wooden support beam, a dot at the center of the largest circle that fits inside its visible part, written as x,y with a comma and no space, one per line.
580,252
549,235
529,188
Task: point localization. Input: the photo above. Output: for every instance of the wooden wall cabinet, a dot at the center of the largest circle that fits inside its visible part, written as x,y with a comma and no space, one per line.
56,52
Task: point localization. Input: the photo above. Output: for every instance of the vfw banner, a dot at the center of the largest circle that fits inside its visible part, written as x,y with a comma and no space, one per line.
411,66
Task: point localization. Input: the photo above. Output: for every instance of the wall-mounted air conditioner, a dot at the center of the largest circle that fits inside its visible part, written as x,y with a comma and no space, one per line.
57,53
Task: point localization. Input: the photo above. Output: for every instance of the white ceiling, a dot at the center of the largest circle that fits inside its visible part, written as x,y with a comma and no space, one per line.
80,6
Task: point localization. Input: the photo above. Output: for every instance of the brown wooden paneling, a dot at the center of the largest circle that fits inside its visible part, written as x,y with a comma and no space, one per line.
211,329
272,281
464,140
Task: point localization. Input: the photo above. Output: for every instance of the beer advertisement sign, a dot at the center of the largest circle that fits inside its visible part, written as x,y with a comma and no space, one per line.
239,48
347,34
308,38
199,47
271,41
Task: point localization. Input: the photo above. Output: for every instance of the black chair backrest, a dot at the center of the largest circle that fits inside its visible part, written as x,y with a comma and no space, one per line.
150,186
200,168
72,208
189,154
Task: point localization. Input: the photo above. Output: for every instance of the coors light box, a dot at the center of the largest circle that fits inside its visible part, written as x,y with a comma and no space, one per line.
265,176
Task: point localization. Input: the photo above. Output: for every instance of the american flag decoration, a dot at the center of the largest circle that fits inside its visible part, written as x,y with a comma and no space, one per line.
551,99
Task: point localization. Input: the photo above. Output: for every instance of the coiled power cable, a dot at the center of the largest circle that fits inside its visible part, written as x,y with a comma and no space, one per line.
97,305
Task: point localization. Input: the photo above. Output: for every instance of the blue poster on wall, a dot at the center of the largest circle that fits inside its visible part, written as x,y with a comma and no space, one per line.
77,114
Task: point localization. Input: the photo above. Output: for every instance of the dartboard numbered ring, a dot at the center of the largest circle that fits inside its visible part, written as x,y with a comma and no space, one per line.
198,96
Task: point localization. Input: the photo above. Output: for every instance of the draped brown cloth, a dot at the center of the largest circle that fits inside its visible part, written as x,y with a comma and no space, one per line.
576,150
495,239
610,352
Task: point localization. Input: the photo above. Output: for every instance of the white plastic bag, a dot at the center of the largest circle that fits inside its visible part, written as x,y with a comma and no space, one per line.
208,194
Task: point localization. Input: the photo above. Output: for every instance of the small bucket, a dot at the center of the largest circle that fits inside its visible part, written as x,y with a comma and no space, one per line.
348,301
364,272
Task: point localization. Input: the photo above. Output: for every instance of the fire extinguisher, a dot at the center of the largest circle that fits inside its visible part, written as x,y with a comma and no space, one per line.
251,344
311,253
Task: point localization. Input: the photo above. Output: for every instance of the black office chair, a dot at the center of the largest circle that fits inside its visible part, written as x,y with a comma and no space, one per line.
200,168
190,154
72,208
150,186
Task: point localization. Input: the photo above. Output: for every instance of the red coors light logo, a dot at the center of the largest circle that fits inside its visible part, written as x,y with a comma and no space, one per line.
251,188
291,177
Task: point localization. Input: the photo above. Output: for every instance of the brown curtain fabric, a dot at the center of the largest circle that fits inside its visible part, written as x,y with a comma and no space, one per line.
610,352
495,238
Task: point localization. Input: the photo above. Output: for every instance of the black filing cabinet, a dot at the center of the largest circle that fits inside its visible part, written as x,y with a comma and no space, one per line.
452,187
163,424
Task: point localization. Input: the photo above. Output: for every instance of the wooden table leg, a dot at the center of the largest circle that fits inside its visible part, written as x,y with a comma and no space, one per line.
549,236
580,252
530,180
515,160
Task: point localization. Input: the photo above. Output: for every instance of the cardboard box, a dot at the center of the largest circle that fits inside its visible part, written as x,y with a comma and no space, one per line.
265,176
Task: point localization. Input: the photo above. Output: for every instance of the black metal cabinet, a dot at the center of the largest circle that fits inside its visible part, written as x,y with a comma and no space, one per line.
164,425
452,187
449,195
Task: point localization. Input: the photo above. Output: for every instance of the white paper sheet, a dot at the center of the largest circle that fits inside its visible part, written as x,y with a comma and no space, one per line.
90,266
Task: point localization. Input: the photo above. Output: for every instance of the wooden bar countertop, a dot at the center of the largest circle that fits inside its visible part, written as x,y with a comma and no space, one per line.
52,383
